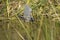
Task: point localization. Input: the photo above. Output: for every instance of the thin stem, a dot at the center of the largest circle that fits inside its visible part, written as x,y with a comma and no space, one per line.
19,34
24,27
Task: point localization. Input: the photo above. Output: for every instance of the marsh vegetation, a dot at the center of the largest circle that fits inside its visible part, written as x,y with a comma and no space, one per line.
46,24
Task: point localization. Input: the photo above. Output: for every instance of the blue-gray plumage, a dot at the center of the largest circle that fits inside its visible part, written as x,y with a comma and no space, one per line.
27,14
27,11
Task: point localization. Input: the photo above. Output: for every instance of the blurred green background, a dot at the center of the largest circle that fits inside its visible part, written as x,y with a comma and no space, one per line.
46,25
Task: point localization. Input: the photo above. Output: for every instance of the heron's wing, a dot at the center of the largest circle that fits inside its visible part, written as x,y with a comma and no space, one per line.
27,10
27,13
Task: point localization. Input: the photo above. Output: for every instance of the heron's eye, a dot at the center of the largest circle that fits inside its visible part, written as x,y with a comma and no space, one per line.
32,19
